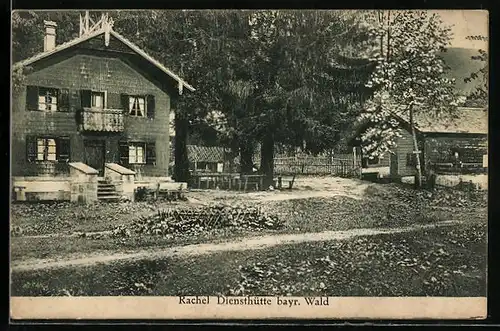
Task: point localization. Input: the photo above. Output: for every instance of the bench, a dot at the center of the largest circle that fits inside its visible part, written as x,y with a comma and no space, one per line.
290,181
208,180
161,190
251,181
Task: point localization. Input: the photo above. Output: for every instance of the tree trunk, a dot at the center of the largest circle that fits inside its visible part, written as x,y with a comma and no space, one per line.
418,178
246,157
267,159
181,166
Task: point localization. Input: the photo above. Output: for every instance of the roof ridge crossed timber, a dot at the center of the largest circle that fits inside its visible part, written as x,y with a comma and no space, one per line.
105,29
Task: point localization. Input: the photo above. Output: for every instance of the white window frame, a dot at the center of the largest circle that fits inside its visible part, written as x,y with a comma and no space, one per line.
44,103
134,155
135,100
43,149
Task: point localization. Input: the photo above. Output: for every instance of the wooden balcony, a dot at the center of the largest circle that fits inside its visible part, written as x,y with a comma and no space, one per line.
105,120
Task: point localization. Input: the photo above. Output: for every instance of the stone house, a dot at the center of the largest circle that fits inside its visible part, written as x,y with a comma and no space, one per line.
94,110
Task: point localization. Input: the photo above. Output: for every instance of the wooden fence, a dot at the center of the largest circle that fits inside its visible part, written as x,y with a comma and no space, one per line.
345,165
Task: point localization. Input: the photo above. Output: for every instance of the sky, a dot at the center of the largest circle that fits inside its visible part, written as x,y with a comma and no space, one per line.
466,23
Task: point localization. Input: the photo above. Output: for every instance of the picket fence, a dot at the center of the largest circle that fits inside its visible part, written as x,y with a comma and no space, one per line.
342,165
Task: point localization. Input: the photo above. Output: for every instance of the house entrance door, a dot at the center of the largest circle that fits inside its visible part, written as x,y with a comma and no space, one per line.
95,154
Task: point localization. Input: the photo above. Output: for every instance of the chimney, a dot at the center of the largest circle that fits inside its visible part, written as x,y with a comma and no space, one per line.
49,41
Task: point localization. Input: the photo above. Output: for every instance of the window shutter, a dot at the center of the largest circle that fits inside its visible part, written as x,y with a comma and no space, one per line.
74,100
31,148
32,97
150,153
114,101
86,98
63,149
125,103
123,150
63,99
150,103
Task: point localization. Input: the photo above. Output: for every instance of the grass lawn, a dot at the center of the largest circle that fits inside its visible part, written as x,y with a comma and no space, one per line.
66,218
383,206
26,248
317,220
435,262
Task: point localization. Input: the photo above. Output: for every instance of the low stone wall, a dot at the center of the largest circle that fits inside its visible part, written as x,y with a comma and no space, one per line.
122,178
38,188
382,172
479,181
83,183
79,186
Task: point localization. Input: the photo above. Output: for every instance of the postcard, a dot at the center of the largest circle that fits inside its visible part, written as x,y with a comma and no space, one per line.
249,164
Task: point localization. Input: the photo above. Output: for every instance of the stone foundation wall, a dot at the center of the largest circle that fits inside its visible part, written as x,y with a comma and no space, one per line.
122,178
36,188
83,183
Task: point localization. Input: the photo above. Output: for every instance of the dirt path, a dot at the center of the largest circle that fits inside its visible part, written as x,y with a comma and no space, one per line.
249,243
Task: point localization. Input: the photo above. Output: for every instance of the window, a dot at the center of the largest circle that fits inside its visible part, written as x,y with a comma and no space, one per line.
137,106
136,153
373,161
48,148
93,99
98,100
47,98
366,161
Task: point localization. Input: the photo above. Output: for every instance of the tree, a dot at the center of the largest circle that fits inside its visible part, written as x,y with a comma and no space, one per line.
261,76
479,96
409,78
303,100
28,30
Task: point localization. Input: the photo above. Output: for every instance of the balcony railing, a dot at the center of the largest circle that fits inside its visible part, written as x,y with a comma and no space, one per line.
108,120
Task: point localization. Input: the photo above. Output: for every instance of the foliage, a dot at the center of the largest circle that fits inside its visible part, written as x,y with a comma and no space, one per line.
385,265
409,78
141,193
28,30
479,97
19,79
54,217
448,261
204,219
255,72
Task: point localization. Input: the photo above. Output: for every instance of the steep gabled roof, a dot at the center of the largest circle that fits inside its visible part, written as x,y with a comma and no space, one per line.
464,120
118,36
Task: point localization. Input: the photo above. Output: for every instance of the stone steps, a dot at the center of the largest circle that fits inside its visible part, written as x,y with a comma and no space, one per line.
106,191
